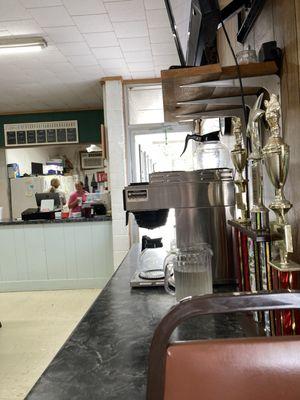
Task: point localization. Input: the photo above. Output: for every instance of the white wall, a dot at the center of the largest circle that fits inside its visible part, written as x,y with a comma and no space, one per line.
41,154
4,186
114,121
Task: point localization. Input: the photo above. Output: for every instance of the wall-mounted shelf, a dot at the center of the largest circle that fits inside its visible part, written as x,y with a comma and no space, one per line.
213,90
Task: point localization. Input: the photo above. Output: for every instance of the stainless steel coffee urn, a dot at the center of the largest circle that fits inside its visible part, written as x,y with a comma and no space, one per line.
203,201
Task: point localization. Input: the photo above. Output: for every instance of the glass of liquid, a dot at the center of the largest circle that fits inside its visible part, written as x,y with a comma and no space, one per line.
188,271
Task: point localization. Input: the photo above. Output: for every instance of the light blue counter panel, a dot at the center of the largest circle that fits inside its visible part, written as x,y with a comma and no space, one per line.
34,252
55,251
55,256
83,249
105,249
69,241
8,252
21,260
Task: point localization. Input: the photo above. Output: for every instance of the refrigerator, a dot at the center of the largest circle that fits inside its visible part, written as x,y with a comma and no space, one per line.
23,191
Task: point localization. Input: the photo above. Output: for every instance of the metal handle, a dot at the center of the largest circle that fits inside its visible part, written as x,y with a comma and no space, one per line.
168,268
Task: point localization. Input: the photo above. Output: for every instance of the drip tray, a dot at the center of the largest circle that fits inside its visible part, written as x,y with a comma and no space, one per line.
152,274
147,278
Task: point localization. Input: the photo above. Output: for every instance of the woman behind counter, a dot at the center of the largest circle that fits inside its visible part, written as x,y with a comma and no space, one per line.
54,188
77,198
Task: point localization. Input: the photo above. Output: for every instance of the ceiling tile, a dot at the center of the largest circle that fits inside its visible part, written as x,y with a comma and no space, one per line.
141,66
138,56
143,74
82,61
132,10
135,44
74,49
51,16
163,48
25,27
84,7
114,63
161,35
166,60
12,10
157,18
93,23
107,52
154,4
104,39
90,72
117,72
40,3
131,29
66,34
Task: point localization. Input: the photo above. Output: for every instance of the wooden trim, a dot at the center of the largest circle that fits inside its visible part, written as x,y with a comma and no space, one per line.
111,78
49,111
192,71
144,81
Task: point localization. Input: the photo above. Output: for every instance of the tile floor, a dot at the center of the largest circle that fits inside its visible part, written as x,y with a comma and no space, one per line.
35,326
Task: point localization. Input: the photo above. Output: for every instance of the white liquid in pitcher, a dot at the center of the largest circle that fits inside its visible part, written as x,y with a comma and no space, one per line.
192,283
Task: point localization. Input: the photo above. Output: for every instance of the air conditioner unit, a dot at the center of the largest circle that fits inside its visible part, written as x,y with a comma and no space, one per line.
92,160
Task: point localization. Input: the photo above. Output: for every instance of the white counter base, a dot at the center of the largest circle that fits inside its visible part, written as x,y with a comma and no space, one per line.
55,256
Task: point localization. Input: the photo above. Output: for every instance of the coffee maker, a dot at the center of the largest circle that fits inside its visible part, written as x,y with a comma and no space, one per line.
203,201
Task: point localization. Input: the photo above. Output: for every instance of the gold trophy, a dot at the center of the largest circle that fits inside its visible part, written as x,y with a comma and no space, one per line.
259,213
239,159
276,156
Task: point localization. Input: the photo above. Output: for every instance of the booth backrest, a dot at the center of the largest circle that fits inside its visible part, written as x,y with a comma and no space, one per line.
247,369
259,368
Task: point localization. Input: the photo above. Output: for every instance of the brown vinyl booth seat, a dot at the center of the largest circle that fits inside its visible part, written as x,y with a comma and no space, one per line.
261,368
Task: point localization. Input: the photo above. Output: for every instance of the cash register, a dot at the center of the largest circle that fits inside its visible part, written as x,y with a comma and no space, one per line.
37,213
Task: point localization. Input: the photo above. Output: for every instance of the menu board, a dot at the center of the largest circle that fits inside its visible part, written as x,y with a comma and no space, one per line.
21,137
41,136
31,136
11,138
61,135
71,134
41,133
51,135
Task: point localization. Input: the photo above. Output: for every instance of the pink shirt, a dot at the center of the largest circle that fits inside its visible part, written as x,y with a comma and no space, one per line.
74,196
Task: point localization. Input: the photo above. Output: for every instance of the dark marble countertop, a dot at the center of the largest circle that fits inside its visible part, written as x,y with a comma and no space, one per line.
96,218
106,355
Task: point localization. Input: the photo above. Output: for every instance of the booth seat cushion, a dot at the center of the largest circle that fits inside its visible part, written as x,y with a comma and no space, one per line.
234,369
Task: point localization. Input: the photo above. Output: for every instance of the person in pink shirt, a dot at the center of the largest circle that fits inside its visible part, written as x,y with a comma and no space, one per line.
77,198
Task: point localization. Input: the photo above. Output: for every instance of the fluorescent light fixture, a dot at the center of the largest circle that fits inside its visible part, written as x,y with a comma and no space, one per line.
93,148
17,45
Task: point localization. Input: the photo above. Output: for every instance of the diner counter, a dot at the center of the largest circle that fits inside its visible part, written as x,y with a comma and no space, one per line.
55,254
96,218
106,355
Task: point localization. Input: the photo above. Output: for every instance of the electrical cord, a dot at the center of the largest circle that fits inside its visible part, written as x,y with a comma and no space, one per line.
237,69
248,143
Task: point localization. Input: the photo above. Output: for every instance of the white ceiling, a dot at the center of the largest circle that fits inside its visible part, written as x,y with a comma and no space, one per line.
87,40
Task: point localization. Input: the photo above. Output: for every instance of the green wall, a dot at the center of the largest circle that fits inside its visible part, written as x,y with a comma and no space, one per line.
89,122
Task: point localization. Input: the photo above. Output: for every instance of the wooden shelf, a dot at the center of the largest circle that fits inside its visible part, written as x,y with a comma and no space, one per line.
196,91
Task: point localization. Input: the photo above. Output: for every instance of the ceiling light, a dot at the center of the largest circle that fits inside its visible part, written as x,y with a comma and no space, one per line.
93,148
14,45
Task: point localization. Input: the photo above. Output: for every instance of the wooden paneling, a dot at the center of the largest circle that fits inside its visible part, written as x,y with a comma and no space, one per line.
280,21
58,256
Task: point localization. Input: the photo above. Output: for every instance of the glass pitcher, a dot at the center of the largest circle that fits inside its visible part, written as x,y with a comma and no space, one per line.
188,271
